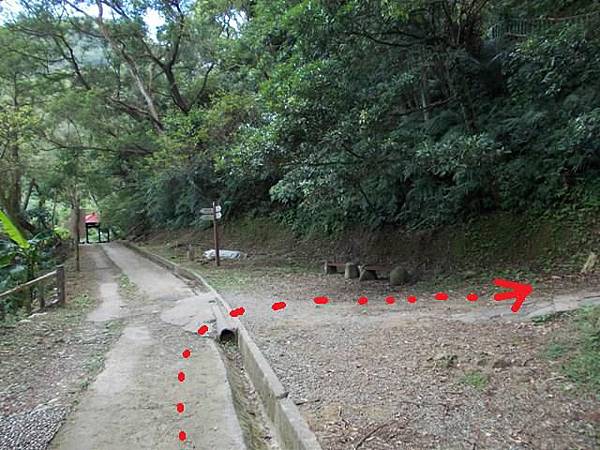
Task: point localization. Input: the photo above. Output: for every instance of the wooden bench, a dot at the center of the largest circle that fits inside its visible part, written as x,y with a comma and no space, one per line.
332,267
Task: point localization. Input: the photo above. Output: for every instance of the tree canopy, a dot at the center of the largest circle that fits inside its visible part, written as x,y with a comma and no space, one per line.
323,113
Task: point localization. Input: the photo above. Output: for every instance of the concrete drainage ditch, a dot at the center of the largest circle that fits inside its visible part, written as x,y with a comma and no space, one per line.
251,416
259,396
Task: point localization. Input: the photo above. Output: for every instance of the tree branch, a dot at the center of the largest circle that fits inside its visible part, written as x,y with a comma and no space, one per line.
204,83
71,59
428,108
133,69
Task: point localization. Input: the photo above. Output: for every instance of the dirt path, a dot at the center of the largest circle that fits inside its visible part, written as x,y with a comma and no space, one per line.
430,375
132,403
372,378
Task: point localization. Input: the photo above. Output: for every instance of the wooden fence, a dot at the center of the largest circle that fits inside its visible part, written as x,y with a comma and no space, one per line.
38,291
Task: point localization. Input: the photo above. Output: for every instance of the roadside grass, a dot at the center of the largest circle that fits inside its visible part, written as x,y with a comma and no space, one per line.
546,252
552,317
80,301
75,306
242,274
11,320
584,365
126,286
579,349
93,366
556,350
476,379
524,247
76,310
228,280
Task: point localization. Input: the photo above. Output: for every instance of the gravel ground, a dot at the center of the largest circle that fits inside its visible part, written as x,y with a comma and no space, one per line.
410,376
31,430
47,360
390,382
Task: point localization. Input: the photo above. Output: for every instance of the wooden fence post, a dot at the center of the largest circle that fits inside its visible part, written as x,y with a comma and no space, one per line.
216,233
42,294
191,252
60,284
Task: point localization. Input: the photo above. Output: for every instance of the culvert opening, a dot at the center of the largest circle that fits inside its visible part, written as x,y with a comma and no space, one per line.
227,336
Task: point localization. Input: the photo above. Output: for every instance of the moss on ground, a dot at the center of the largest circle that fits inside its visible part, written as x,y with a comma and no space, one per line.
476,379
578,348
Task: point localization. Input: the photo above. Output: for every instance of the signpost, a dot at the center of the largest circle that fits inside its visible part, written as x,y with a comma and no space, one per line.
213,214
210,210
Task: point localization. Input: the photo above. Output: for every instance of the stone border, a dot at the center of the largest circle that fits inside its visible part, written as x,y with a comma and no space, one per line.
292,429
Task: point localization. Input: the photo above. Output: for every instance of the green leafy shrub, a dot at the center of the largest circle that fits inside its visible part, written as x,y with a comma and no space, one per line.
20,260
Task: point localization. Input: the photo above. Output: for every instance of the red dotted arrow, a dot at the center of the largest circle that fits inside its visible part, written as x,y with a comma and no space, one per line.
518,291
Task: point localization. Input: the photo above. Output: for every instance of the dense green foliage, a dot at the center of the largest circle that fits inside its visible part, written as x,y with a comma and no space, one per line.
323,113
20,260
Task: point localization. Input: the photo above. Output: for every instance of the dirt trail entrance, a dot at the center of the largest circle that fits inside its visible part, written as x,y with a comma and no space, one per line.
429,375
132,403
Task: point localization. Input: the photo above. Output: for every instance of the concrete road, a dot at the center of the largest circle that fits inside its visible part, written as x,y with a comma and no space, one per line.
132,403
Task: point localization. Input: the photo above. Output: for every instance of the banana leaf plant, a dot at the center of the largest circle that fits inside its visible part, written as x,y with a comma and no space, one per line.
19,257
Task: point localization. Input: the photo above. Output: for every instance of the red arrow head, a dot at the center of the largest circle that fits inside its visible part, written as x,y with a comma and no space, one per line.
519,292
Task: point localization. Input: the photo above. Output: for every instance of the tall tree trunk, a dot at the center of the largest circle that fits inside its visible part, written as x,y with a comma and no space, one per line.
77,230
53,217
28,196
14,194
424,96
14,199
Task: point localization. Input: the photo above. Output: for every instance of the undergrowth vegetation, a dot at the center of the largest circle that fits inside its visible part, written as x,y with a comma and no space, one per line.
579,349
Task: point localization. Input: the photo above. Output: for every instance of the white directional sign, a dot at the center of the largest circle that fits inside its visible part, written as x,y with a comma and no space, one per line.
210,210
213,214
210,216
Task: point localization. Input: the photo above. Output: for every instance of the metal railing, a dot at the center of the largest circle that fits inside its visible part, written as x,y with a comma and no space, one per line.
525,27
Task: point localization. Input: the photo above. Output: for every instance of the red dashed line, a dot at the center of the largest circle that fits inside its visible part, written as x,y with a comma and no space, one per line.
237,312
321,300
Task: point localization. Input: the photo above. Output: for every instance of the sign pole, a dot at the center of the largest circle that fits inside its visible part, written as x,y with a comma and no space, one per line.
216,233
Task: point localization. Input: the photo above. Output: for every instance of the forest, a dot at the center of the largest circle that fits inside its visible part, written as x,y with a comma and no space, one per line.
322,114
409,224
